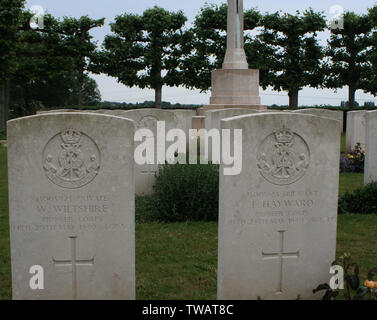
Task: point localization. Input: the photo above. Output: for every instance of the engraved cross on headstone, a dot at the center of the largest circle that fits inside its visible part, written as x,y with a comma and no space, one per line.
280,256
74,263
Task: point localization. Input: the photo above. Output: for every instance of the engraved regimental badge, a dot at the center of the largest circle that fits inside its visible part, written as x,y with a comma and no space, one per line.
71,159
283,157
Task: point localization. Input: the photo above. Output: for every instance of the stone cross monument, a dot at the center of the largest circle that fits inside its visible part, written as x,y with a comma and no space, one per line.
235,85
235,57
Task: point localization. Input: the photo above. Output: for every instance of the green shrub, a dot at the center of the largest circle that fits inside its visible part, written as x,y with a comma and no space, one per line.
185,192
362,200
144,209
3,135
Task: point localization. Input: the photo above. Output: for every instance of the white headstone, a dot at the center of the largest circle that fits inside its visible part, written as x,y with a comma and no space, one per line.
370,172
71,201
355,129
58,110
213,121
278,218
145,175
214,117
110,112
183,120
331,114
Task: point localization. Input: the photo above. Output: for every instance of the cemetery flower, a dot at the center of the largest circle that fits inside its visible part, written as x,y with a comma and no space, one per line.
370,284
354,161
353,290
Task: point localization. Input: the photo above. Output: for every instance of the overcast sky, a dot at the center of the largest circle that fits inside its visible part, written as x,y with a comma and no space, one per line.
113,91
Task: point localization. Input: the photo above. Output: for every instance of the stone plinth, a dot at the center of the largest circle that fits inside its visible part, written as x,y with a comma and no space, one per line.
198,122
235,87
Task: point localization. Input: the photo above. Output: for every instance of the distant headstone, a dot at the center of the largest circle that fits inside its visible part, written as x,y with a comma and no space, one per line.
57,111
71,197
145,175
370,174
213,121
355,129
278,218
214,117
184,120
331,114
110,112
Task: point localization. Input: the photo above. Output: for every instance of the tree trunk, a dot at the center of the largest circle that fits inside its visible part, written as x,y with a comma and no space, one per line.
293,99
81,72
4,104
80,84
157,87
158,97
351,97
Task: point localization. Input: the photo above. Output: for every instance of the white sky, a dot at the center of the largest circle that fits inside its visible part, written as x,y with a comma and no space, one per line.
113,91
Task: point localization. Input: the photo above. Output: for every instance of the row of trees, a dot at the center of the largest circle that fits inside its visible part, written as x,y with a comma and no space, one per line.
47,66
50,66
285,49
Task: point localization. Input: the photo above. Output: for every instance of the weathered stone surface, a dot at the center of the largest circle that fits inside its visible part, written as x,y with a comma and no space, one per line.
213,107
235,87
370,174
198,122
235,56
235,84
278,218
212,121
355,129
110,112
183,120
145,175
331,114
214,117
56,111
71,201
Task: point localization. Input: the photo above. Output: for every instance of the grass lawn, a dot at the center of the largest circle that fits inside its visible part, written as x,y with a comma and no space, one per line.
5,281
179,261
349,182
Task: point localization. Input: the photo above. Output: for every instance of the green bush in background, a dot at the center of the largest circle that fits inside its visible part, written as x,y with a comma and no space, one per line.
185,192
362,200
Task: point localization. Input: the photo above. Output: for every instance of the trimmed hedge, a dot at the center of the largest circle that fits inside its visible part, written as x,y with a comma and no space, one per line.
362,200
185,192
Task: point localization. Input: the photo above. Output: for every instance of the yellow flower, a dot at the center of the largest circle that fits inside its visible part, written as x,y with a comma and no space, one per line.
371,284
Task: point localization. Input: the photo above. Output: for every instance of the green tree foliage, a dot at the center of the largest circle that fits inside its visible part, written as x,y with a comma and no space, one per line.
40,58
347,52
208,44
370,69
290,52
79,45
146,51
47,73
53,92
10,16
